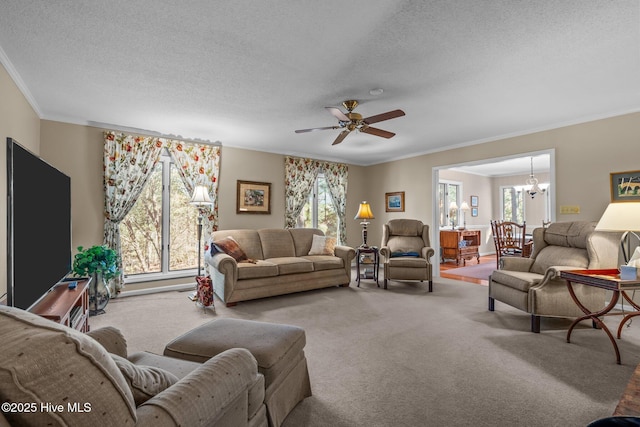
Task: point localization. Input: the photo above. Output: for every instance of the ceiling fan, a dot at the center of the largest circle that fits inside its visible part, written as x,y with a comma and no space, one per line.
353,121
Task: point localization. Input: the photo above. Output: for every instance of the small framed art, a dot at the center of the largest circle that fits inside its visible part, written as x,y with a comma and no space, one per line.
474,211
394,202
625,186
474,202
253,197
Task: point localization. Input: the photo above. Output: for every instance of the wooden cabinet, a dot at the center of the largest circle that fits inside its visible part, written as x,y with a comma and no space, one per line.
460,245
69,307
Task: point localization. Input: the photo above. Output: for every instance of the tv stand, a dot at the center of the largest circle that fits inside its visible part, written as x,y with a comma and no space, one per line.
69,307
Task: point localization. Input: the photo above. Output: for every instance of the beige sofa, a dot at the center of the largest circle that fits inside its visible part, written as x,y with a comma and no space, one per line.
534,284
280,264
61,377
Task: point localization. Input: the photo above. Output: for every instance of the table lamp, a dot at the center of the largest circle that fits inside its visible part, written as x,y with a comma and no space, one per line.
625,217
364,213
200,199
453,208
464,208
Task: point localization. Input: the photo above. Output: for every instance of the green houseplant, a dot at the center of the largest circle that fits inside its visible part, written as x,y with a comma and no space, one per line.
100,262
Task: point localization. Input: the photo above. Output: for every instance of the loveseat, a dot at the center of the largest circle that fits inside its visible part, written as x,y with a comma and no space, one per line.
250,264
55,375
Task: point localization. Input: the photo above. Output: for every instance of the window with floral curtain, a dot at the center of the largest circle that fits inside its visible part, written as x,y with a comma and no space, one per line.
148,220
302,175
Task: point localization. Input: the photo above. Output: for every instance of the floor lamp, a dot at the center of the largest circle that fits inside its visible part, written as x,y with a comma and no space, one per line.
622,217
200,199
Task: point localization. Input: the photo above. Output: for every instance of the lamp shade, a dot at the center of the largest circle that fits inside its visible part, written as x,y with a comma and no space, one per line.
364,212
464,206
624,216
453,206
200,196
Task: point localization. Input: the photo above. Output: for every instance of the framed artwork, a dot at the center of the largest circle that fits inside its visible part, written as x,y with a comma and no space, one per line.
474,211
394,202
253,197
625,186
474,203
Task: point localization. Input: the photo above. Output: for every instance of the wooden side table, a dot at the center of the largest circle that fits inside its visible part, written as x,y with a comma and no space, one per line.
605,279
367,257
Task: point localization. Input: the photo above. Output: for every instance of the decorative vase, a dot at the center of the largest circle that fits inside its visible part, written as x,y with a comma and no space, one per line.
99,295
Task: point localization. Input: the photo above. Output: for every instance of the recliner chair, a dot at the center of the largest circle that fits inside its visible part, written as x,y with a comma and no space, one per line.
534,284
406,252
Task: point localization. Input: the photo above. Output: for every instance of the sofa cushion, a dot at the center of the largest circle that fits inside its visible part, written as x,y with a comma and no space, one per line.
144,381
249,241
562,256
325,262
259,269
42,361
410,262
276,243
302,238
520,280
229,246
292,265
322,245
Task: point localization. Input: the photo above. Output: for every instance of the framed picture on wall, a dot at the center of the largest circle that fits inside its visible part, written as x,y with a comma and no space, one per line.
394,202
253,197
474,211
474,203
625,186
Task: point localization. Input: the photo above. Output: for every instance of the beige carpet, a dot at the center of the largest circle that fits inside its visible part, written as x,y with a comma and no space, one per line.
406,357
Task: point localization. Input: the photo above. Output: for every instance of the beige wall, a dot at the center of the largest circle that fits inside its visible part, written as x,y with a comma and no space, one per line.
585,155
20,122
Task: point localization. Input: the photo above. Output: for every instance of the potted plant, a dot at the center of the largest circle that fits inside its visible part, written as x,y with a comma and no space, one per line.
101,263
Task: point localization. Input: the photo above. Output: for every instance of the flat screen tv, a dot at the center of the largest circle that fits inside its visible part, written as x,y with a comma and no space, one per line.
38,226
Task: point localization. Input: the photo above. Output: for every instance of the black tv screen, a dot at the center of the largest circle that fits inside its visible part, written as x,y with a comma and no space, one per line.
39,226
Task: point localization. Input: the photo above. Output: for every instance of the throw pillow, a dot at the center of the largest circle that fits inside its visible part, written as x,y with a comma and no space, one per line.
144,381
322,245
229,246
399,254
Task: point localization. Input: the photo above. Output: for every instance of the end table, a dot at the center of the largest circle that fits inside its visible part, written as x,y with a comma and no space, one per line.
368,258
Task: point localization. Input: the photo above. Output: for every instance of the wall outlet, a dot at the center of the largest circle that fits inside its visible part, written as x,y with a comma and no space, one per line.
569,209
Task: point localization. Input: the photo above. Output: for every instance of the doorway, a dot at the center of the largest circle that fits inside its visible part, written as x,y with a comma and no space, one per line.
482,179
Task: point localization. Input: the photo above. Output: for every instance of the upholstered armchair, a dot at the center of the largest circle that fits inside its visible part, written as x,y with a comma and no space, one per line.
92,381
406,252
534,284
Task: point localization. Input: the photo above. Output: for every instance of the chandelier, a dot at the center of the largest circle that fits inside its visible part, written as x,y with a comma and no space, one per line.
532,183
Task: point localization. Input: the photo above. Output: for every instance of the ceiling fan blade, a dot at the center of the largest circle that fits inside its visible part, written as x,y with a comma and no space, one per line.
315,129
340,137
384,116
338,114
378,132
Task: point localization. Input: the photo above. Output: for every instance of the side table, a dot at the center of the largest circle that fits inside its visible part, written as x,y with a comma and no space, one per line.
369,259
605,279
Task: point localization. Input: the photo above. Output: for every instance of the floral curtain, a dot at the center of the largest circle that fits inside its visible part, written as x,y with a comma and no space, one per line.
300,175
199,164
336,175
128,163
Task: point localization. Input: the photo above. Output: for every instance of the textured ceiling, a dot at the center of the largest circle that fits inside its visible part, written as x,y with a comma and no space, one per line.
248,73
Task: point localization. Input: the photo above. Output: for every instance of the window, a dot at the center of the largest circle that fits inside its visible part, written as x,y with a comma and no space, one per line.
159,234
512,202
320,211
448,192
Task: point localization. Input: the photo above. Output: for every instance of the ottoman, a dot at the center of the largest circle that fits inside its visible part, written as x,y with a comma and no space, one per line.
278,349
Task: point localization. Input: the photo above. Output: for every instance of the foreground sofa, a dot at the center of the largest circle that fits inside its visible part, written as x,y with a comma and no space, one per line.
90,380
534,284
277,262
